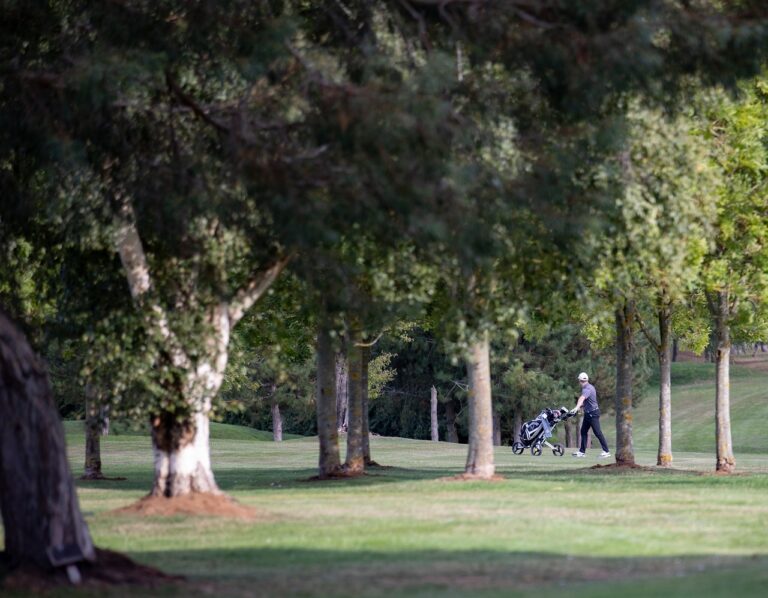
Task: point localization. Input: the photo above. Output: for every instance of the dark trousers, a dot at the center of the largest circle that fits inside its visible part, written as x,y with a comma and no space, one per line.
592,421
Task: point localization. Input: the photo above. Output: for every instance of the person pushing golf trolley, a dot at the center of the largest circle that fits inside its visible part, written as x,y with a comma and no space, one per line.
588,399
534,433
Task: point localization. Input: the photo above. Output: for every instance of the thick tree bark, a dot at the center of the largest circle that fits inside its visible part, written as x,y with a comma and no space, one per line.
327,430
480,454
355,462
451,434
625,321
342,391
517,425
726,462
664,456
433,414
92,469
41,516
277,420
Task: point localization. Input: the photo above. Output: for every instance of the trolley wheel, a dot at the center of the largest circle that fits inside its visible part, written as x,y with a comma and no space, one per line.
536,450
518,448
559,450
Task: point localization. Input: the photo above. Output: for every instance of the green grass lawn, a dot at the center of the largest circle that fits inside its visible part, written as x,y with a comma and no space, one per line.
553,527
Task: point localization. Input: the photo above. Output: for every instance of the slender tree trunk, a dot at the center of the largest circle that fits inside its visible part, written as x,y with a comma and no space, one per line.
496,429
433,413
342,390
40,511
327,430
664,457
366,360
451,434
104,420
725,460
675,350
277,418
480,454
625,316
355,463
92,469
571,433
517,425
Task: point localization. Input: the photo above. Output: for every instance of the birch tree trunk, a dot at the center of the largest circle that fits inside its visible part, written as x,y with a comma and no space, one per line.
451,434
664,457
433,414
92,468
355,462
480,454
327,430
624,350
41,516
725,459
342,390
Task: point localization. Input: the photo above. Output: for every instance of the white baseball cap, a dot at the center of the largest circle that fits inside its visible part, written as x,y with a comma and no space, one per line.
583,376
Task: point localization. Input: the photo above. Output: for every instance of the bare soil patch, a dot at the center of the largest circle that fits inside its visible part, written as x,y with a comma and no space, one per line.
110,569
101,478
621,467
197,503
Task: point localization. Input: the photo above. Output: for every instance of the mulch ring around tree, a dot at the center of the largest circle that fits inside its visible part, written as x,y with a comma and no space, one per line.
196,503
110,569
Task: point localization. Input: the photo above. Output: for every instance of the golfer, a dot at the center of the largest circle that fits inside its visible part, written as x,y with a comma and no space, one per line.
588,398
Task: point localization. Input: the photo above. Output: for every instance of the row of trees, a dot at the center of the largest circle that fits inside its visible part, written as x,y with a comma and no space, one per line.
478,168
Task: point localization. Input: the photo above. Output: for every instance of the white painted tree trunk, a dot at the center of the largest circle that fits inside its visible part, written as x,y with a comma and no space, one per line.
433,414
664,456
480,454
277,422
342,391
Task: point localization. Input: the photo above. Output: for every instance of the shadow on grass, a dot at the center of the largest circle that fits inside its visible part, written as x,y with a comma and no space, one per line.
305,572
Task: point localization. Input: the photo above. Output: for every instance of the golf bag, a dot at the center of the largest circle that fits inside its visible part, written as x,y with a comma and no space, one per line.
534,433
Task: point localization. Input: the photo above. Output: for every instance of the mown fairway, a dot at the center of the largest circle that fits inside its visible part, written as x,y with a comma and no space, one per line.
554,526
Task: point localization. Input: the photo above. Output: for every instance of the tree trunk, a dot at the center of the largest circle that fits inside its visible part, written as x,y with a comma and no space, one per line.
451,434
571,433
480,453
664,457
41,516
725,460
675,350
342,390
355,463
92,469
625,320
496,429
327,430
366,357
433,413
182,454
517,425
277,421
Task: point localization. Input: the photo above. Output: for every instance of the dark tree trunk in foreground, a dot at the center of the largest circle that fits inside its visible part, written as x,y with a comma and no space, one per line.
664,456
93,426
355,463
480,454
451,434
41,514
726,462
433,414
327,432
625,322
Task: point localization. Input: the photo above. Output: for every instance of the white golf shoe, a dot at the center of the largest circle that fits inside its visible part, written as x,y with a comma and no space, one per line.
605,454
578,454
